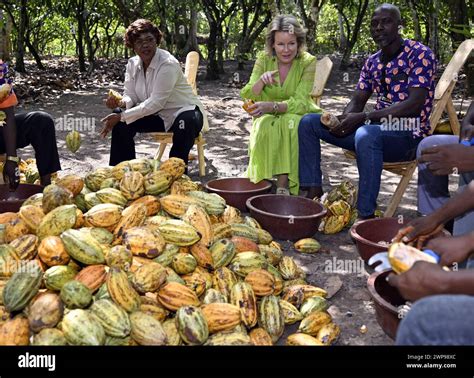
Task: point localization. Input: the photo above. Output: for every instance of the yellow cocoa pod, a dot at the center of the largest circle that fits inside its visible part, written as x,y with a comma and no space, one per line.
15,331
73,183
105,215
314,322
142,242
260,337
402,257
26,246
328,334
151,203
176,204
174,295
32,216
221,316
132,185
197,217
121,291
261,281
174,166
132,216
73,141
307,245
202,255
303,340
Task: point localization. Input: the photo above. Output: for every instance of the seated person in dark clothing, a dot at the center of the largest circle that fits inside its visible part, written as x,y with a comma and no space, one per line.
157,98
401,74
20,130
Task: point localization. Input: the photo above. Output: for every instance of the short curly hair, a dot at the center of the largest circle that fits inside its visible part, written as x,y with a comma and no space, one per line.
141,26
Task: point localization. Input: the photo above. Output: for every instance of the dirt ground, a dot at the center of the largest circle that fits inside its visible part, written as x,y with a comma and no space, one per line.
226,155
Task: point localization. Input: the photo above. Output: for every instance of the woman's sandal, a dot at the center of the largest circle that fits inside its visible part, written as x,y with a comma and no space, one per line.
283,191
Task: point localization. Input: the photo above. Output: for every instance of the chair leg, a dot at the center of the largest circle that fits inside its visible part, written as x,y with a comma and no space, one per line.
161,150
399,192
202,162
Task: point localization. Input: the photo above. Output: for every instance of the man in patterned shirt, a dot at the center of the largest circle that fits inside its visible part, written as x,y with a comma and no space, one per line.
401,74
20,130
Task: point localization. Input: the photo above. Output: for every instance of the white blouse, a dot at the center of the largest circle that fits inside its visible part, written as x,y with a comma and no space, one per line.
163,91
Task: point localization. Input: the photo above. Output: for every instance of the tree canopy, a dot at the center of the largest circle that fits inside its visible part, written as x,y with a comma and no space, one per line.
219,29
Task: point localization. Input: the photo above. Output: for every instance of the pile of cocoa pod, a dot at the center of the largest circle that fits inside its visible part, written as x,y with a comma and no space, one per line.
139,254
28,172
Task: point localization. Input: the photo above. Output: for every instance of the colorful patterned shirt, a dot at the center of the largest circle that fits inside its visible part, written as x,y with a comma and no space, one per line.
413,67
11,100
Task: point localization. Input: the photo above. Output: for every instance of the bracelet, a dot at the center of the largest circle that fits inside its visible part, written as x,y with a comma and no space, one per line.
276,108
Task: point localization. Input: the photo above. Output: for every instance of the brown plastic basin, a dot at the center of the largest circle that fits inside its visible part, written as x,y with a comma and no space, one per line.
368,233
386,299
286,217
237,190
12,201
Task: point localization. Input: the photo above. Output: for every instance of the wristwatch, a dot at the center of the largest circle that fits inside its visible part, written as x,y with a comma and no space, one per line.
16,159
275,108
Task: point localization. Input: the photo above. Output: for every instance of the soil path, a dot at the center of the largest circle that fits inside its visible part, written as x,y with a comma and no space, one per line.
226,155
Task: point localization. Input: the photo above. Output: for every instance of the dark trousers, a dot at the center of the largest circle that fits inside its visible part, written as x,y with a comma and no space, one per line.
37,129
185,129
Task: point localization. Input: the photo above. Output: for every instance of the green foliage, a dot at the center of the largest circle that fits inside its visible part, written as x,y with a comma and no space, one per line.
53,24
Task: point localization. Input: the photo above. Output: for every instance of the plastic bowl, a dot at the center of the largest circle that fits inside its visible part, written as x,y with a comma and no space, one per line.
12,201
237,190
368,234
387,299
286,217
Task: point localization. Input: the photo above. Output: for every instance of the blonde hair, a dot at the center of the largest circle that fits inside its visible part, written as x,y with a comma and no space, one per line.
285,23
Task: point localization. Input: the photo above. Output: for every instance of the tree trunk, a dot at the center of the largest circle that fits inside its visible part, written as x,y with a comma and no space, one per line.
361,10
251,29
20,52
5,35
433,27
212,65
180,30
80,36
310,21
192,43
460,20
216,17
416,20
34,52
342,33
220,49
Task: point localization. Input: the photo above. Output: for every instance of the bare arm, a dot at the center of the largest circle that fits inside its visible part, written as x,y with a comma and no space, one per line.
411,107
358,101
467,126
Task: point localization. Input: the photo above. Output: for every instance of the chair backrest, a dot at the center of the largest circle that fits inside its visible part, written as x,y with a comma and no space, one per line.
323,70
452,69
191,68
448,81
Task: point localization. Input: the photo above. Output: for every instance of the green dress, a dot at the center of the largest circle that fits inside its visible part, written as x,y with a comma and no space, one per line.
273,145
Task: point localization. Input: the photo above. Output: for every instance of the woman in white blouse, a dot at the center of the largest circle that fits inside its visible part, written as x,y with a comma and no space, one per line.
156,97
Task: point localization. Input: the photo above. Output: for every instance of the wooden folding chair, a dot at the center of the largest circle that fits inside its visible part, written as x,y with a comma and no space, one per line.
442,102
322,73
190,71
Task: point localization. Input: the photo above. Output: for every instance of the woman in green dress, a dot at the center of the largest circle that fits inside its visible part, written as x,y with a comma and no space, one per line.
280,86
